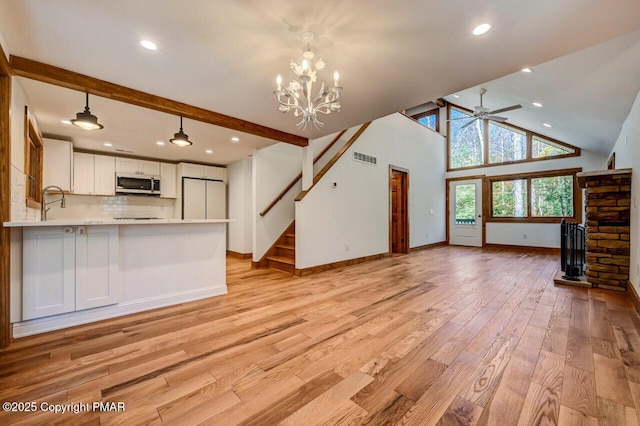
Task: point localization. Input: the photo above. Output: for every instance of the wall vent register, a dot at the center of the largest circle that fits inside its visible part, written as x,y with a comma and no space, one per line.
364,158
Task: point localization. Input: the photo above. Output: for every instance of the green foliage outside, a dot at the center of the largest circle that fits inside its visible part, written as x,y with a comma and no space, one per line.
510,198
466,204
552,196
466,144
541,148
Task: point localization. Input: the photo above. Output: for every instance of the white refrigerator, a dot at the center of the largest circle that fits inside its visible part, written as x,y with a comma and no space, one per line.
203,199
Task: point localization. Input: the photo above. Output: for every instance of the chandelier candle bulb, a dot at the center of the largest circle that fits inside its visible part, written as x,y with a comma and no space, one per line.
279,81
336,76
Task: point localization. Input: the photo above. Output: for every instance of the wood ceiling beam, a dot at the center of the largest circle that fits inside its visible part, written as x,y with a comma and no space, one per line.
39,71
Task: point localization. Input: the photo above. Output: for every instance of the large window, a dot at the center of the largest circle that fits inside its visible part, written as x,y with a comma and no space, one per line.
430,119
480,143
535,197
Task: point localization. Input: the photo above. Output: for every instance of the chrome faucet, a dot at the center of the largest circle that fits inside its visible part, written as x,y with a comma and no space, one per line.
44,209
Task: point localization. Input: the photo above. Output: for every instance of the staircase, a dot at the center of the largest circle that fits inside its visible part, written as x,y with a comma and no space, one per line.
283,257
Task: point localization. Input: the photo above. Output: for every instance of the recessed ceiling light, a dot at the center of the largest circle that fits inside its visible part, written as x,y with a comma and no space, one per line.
235,139
209,151
65,121
160,143
537,104
149,45
546,124
456,96
108,144
481,29
528,70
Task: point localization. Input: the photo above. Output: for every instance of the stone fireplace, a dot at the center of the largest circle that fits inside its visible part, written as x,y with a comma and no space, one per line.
608,210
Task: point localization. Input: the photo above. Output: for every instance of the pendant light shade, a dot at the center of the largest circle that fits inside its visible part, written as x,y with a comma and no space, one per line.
86,120
181,139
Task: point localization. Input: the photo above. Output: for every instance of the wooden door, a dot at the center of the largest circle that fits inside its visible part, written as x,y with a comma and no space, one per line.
399,212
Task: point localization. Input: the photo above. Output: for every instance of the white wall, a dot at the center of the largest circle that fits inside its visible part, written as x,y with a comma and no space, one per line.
239,194
627,150
352,220
19,210
532,234
273,168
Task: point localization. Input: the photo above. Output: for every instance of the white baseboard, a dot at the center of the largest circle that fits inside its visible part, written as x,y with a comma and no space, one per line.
57,322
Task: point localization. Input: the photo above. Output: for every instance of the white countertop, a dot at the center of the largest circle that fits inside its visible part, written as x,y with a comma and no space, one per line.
84,222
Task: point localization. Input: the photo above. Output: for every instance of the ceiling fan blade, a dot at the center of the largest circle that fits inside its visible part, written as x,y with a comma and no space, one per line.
469,123
496,118
510,108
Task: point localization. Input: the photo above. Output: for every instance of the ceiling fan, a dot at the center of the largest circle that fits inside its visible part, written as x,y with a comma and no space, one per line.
482,113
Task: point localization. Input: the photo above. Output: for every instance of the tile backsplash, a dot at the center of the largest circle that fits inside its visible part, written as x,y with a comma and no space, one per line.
105,207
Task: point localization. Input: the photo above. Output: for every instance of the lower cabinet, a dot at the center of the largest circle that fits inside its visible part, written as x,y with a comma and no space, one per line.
69,268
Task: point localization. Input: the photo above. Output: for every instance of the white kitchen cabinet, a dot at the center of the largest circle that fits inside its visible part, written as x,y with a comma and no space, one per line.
48,264
83,173
96,266
168,178
201,171
105,175
69,268
57,163
132,165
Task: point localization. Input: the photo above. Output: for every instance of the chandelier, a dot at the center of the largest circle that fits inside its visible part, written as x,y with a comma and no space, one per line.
297,95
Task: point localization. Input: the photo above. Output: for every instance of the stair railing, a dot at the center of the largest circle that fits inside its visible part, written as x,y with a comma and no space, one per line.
295,180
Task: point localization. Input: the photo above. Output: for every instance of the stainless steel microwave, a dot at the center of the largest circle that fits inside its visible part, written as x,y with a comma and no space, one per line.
136,184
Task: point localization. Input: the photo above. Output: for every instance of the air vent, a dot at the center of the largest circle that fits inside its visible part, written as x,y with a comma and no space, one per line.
364,158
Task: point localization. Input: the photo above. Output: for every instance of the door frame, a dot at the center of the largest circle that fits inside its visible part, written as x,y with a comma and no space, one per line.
484,200
5,201
392,169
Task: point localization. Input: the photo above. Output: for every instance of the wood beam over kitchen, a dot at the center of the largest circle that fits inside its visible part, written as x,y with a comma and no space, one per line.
39,71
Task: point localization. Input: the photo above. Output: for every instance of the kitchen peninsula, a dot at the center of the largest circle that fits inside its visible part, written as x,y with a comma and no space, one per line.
80,271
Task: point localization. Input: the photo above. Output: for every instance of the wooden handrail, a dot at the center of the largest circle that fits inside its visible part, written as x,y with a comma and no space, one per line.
335,158
295,180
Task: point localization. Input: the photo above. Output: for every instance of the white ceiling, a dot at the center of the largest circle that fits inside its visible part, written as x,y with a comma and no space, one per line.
224,56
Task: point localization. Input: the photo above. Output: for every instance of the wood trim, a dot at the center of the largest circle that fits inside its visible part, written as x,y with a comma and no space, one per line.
435,111
297,178
39,71
428,246
335,158
633,297
5,201
237,255
553,250
335,265
611,162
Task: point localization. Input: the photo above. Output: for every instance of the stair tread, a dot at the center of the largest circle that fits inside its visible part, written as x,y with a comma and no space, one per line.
286,246
290,235
282,259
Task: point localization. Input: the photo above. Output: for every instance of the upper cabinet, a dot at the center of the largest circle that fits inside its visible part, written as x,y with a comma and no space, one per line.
202,172
131,165
93,174
57,159
168,179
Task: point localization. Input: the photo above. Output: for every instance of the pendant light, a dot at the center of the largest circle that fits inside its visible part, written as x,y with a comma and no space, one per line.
86,120
181,138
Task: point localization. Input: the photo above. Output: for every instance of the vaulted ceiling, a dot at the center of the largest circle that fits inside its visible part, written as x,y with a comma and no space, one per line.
224,55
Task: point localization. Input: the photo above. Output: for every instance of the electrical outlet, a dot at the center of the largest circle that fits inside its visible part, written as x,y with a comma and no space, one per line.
524,236
638,270
427,235
346,247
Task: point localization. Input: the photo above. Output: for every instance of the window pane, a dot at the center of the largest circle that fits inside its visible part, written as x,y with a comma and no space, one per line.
465,143
466,204
509,198
429,121
544,148
506,144
552,196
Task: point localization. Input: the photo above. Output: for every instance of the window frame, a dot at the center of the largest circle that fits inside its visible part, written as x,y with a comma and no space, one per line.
485,143
577,197
33,153
435,111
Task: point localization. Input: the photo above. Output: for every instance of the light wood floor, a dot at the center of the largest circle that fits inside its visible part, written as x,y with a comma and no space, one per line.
453,336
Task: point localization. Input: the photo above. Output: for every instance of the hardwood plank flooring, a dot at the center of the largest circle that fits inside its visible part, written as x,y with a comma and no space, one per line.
447,336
